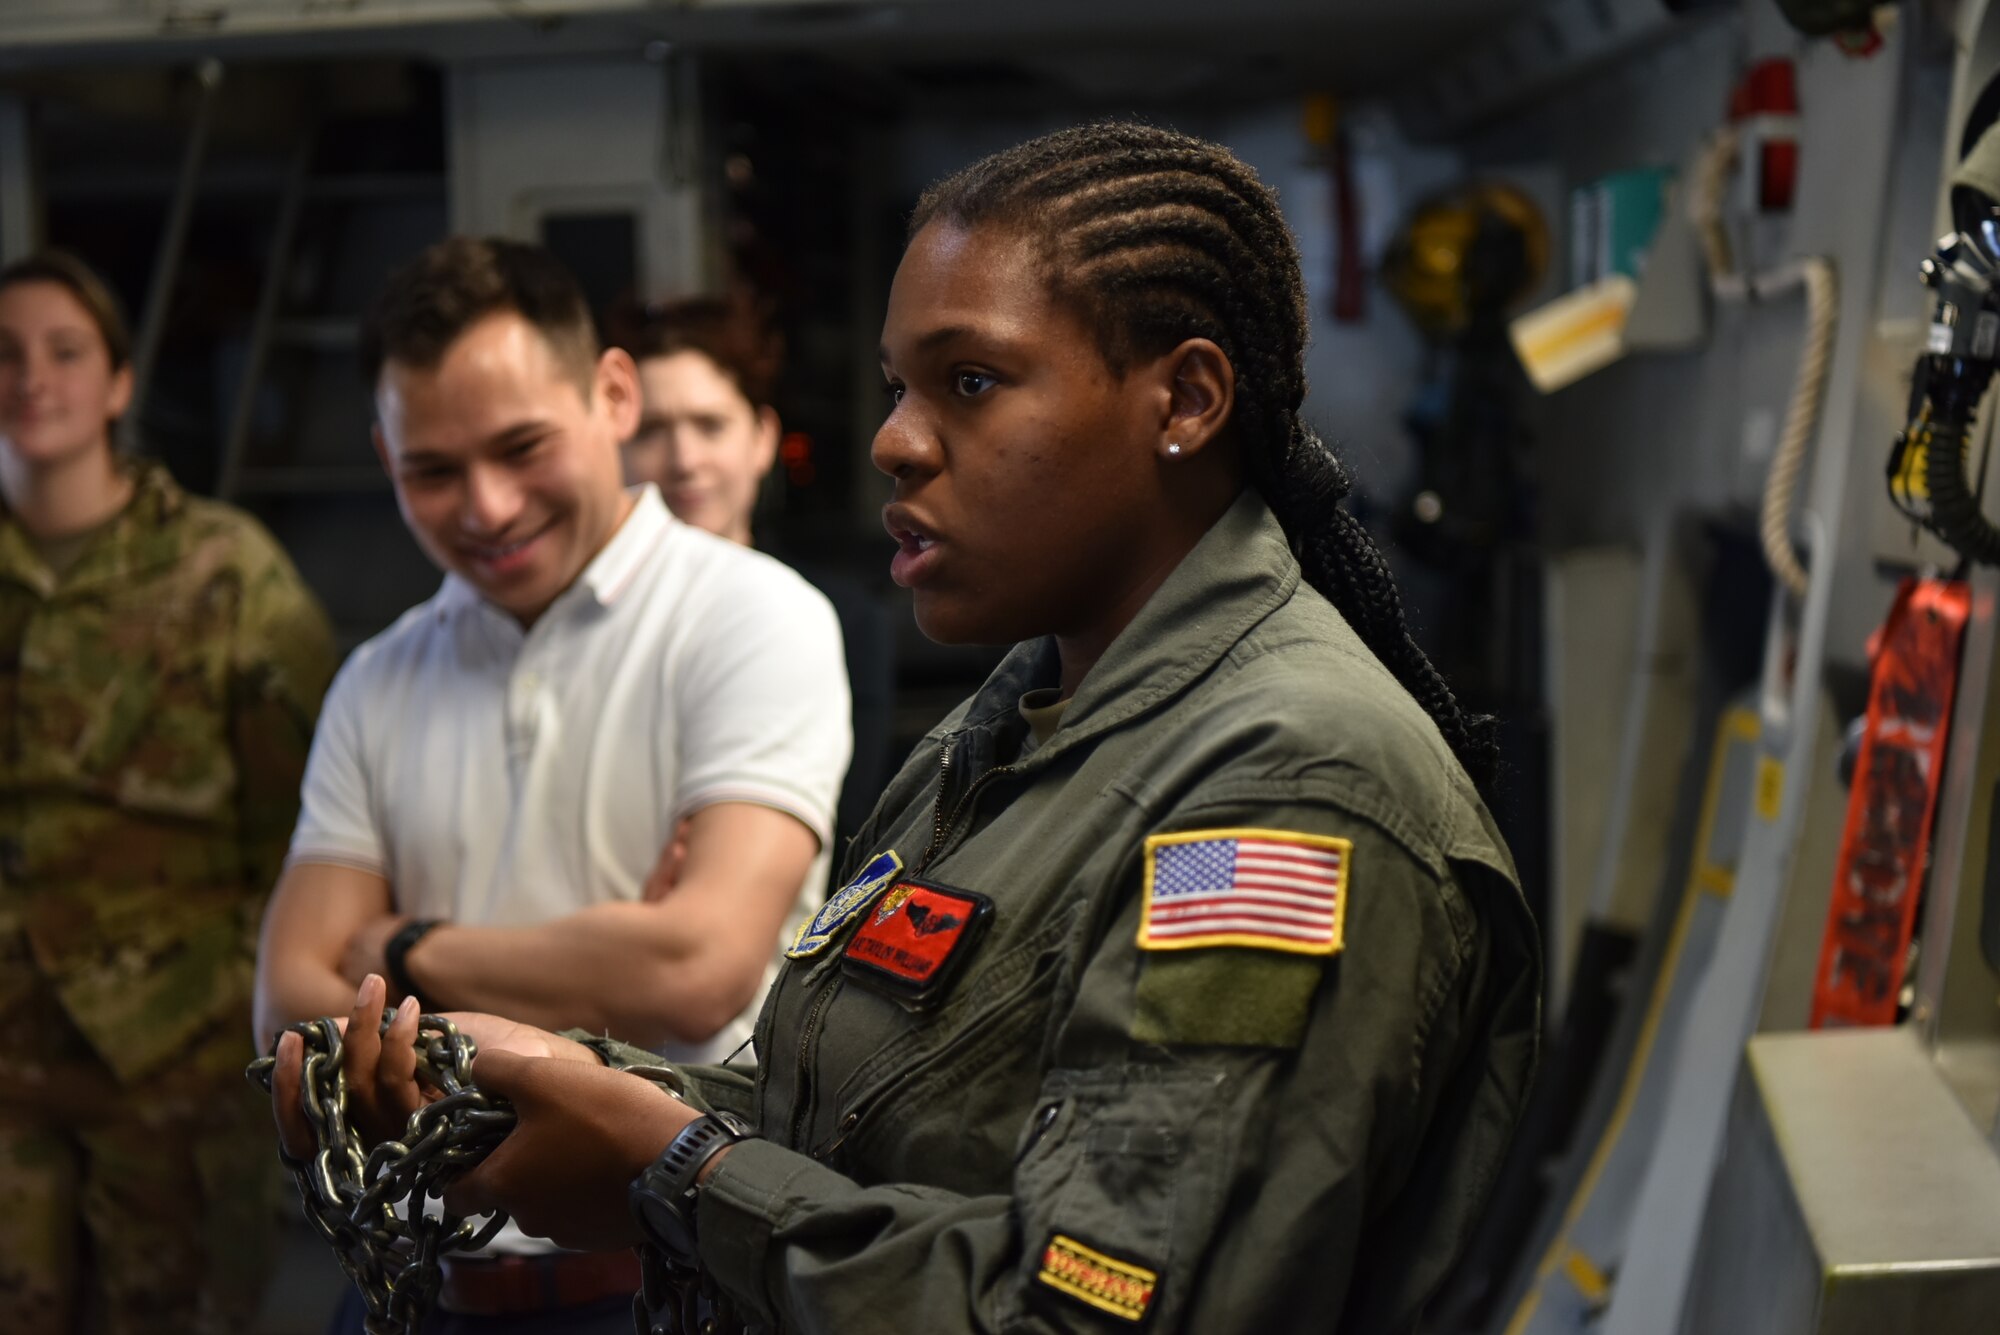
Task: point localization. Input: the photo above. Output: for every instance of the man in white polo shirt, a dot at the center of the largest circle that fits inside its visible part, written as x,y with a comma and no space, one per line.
489,812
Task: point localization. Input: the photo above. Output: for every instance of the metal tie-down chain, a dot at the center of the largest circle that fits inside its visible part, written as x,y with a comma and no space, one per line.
351,1198
395,1260
679,1300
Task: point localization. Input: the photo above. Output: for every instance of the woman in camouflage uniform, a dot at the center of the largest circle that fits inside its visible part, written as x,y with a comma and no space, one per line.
160,668
1180,977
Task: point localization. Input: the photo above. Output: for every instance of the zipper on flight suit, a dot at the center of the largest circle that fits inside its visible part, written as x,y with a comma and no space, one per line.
937,809
840,1135
804,1082
941,825
941,828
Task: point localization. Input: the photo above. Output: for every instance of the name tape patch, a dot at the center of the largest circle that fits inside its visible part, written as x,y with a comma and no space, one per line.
842,905
1122,1288
917,939
1267,889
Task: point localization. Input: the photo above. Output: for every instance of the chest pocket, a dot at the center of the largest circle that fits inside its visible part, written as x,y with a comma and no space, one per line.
927,1106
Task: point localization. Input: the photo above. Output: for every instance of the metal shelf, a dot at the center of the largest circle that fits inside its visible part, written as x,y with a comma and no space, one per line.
233,181
1547,44
326,333
237,182
378,186
325,480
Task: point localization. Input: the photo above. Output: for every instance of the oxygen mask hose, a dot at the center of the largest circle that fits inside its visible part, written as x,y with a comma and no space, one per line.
1927,478
1942,435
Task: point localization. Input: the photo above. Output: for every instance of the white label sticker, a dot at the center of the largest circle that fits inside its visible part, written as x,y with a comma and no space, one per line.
1760,435
1940,339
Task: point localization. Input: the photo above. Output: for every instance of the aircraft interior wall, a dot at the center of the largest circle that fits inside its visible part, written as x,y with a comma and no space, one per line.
1587,558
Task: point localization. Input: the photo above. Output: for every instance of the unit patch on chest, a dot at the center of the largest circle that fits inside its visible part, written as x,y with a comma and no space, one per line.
1097,1279
843,904
1265,889
917,940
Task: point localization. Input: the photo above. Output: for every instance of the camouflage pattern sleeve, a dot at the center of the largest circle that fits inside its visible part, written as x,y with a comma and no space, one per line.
281,659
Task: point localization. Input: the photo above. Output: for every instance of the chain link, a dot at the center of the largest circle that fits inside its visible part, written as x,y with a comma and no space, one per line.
351,1198
680,1300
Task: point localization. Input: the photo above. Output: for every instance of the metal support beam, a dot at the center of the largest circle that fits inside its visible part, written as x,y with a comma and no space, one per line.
173,241
1527,58
20,212
229,476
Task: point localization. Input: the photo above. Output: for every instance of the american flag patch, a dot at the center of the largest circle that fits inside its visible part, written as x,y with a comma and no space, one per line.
1272,889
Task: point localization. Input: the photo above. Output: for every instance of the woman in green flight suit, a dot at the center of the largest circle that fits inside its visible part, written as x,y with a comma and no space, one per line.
1180,975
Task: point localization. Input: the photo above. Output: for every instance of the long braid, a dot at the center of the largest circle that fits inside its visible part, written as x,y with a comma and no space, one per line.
1157,238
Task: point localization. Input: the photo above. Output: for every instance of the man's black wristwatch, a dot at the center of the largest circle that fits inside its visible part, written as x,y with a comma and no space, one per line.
663,1196
395,956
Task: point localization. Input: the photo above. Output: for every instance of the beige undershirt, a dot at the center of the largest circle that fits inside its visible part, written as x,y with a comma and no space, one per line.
1042,710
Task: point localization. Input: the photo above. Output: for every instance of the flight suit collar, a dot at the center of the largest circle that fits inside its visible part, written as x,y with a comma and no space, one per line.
1240,572
133,542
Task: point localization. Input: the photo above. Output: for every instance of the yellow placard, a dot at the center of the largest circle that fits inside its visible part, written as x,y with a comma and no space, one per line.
1577,333
1589,1280
1770,787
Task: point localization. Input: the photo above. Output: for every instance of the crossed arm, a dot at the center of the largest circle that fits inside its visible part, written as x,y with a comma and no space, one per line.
676,966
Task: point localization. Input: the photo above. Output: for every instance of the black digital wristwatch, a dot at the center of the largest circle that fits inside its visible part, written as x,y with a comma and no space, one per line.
663,1196
395,956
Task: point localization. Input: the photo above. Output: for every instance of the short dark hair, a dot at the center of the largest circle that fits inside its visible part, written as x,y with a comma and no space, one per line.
731,334
1153,238
91,292
427,304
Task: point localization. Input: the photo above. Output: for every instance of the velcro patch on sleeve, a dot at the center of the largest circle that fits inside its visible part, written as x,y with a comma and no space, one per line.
1095,1279
1264,889
1225,997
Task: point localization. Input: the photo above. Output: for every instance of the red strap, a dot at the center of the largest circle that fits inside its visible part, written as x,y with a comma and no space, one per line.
1885,844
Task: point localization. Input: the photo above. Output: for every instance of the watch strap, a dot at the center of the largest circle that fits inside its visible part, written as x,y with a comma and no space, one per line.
395,955
681,1162
663,1196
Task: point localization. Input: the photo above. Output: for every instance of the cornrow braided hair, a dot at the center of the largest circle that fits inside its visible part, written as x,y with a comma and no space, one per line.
1154,238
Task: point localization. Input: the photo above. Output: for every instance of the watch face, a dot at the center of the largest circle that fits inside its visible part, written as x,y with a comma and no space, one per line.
665,1223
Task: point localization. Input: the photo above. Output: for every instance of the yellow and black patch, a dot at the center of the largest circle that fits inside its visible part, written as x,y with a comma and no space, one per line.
1083,1273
